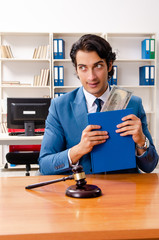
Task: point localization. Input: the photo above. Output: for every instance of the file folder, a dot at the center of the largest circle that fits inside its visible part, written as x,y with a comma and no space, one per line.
152,48
152,75
145,49
56,81
55,45
61,75
114,77
144,73
61,49
117,152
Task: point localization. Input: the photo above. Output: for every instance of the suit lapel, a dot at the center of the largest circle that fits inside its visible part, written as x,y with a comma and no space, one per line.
79,109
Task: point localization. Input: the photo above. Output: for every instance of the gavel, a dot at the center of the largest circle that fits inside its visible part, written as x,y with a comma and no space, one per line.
80,190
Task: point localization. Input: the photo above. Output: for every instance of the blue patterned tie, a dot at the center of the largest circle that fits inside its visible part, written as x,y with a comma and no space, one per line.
98,103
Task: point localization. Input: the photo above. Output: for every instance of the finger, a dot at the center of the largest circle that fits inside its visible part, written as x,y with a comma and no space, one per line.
128,123
130,116
92,127
131,132
97,133
127,128
98,142
120,125
98,138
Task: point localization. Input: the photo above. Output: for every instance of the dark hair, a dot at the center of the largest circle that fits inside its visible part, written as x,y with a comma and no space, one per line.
91,42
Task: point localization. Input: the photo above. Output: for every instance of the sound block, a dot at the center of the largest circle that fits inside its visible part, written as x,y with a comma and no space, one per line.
87,191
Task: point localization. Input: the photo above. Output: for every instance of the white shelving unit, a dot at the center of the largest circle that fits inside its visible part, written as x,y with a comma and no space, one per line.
23,68
128,49
70,79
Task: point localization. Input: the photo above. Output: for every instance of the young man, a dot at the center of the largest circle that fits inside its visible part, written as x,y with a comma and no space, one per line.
68,138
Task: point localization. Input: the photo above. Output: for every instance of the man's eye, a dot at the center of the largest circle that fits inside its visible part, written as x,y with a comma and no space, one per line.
99,66
82,68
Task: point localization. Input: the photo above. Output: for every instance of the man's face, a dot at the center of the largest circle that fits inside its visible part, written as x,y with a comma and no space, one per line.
92,72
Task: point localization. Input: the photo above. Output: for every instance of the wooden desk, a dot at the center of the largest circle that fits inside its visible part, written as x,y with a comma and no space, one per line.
128,209
5,139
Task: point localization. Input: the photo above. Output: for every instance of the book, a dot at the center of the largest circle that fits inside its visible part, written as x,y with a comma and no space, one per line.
10,83
41,52
117,152
6,51
46,77
4,127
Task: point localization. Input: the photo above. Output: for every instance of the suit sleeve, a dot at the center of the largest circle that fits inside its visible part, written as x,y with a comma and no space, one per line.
148,161
53,155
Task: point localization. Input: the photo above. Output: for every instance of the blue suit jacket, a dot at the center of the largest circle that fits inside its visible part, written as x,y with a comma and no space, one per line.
66,120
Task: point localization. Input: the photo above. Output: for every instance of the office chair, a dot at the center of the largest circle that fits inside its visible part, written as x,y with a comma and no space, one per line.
27,159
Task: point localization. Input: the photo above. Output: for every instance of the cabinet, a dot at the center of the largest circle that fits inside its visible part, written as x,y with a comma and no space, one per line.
22,68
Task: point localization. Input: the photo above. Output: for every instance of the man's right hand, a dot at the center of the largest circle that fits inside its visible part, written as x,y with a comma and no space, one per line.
91,136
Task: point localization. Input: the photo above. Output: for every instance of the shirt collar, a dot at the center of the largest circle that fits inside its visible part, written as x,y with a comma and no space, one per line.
90,98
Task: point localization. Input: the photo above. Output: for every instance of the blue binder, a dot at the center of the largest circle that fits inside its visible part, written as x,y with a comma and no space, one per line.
114,77
152,75
145,49
56,74
61,75
117,152
61,49
144,73
55,48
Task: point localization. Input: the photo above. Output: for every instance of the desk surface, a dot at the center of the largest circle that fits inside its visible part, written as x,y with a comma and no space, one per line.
5,139
128,209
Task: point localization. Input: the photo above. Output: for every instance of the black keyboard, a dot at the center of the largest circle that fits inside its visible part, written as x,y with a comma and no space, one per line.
23,134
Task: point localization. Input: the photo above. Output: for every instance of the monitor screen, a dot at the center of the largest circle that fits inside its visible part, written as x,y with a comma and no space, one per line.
27,113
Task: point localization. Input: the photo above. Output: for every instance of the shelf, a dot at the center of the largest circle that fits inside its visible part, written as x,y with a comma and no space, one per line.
135,60
23,60
132,35
17,86
67,87
136,86
149,112
61,60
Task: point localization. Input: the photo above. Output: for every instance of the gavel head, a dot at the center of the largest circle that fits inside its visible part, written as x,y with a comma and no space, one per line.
79,176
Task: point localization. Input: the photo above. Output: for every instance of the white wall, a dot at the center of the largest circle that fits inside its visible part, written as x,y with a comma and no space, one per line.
80,16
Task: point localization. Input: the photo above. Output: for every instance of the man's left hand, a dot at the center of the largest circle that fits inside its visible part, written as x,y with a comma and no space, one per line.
131,125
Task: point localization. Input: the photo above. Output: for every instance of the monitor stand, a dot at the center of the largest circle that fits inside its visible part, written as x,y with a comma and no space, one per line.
29,128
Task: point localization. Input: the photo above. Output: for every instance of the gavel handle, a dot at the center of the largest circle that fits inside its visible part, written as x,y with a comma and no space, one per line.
49,182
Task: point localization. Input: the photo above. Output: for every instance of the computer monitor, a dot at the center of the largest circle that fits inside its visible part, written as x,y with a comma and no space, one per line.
27,113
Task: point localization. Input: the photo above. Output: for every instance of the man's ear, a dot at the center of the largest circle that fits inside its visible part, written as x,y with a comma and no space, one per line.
110,66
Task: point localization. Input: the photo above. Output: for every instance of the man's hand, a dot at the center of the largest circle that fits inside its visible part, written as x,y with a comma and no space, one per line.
89,139
131,125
